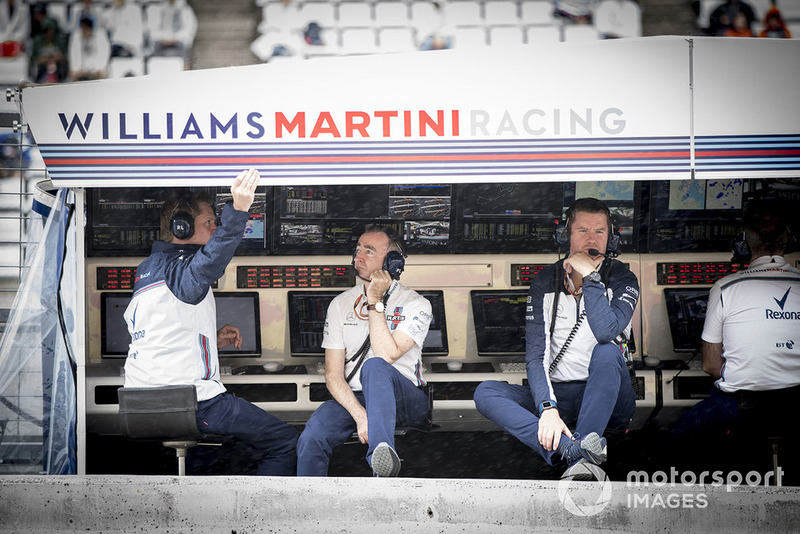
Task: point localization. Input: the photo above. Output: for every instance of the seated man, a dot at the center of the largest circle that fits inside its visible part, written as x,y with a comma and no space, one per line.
172,320
750,338
577,371
373,368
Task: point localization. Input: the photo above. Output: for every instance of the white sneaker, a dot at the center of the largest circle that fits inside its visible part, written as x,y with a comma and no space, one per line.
385,462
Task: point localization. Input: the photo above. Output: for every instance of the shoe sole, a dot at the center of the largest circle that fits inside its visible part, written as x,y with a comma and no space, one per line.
385,462
579,471
584,470
595,447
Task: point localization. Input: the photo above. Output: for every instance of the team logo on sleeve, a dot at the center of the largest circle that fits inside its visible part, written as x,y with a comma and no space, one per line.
396,318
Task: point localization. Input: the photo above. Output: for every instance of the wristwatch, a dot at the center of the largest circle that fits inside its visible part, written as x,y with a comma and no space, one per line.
378,307
545,405
593,276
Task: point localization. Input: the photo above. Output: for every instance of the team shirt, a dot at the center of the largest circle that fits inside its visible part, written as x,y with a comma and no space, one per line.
172,315
347,326
757,314
609,310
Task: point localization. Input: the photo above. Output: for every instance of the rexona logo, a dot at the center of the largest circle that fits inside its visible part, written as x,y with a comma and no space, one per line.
782,315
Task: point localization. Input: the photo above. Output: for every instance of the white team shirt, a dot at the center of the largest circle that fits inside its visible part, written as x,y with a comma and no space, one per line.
757,314
159,355
347,326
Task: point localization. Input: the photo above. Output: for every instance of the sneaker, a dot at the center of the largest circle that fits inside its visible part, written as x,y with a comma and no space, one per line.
592,449
385,462
584,470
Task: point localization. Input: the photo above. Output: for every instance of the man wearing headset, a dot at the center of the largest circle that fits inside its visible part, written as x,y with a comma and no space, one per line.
578,317
173,325
373,369
751,345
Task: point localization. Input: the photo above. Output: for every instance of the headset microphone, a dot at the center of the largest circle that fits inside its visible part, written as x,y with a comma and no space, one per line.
609,254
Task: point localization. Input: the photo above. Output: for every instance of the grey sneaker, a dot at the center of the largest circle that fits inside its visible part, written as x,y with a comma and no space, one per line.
592,448
584,470
385,462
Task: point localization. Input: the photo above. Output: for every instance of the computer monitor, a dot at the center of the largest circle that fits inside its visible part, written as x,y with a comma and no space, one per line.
307,311
114,336
499,318
436,340
686,310
239,309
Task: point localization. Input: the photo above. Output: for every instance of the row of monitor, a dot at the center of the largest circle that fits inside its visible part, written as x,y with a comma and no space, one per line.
499,320
659,216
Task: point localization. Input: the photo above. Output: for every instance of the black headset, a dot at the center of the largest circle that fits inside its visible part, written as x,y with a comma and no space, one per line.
395,260
182,221
590,205
740,248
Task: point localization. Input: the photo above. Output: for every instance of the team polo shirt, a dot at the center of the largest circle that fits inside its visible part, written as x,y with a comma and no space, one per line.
755,314
347,326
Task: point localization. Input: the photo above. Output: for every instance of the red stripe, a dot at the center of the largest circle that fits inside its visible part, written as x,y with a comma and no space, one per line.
718,153
365,159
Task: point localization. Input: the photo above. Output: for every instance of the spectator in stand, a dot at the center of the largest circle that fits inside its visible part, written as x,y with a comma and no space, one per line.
89,52
125,27
576,11
618,18
14,27
87,9
774,26
49,53
173,26
740,27
721,19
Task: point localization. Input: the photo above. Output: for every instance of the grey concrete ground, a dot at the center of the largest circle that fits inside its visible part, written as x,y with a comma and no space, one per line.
122,504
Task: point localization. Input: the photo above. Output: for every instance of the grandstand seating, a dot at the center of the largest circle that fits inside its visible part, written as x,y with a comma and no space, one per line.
377,26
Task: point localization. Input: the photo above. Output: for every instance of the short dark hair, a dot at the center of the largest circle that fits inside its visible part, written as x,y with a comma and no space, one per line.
395,241
765,226
191,204
588,205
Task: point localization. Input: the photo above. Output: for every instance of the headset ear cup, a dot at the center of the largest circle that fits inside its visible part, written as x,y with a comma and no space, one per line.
561,235
394,263
740,248
613,244
182,225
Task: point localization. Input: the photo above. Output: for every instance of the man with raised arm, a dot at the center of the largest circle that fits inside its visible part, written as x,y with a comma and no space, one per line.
172,320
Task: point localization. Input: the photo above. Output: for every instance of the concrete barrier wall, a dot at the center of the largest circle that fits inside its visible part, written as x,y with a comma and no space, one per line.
125,504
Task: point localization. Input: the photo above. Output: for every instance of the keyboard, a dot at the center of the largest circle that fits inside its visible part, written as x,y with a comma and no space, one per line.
512,367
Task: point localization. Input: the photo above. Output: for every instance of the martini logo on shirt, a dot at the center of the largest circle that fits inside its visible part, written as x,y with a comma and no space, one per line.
396,318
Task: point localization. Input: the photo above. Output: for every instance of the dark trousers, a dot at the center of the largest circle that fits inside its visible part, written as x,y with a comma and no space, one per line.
391,400
605,400
273,441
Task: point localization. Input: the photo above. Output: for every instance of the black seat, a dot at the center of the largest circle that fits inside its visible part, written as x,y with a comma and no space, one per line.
165,413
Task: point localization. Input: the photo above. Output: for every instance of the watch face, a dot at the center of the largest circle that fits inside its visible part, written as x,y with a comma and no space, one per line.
379,307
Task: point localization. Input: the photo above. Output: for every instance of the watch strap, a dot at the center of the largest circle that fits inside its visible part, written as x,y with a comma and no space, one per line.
545,405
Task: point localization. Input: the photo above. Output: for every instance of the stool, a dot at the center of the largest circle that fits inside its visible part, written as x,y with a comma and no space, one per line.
166,413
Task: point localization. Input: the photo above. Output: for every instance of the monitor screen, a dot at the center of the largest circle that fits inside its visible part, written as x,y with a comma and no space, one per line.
114,336
436,340
499,317
686,310
239,309
307,311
